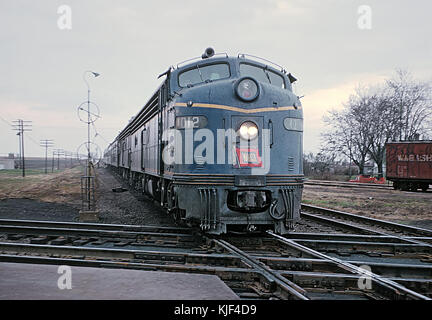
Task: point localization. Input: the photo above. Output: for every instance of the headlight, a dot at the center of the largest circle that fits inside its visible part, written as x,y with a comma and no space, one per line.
248,130
247,89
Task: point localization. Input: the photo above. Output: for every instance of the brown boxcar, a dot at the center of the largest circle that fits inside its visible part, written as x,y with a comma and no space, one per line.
409,164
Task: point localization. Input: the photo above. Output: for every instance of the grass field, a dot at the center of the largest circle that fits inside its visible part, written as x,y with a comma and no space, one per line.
28,172
383,204
59,186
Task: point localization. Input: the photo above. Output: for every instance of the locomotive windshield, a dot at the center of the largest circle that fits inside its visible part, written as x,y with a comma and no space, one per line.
261,74
204,73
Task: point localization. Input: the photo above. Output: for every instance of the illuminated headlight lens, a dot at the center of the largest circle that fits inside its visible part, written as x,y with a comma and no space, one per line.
247,89
248,130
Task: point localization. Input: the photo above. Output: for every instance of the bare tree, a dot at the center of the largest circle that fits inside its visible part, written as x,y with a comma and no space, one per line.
382,124
399,110
411,101
318,164
349,133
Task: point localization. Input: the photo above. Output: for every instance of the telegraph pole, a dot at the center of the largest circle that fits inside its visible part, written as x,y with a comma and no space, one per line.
46,144
19,142
58,153
21,126
66,154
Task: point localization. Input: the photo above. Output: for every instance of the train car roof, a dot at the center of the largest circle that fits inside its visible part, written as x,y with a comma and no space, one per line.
141,116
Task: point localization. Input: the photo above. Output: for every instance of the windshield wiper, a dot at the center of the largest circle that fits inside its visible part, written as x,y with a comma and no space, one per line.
200,73
267,75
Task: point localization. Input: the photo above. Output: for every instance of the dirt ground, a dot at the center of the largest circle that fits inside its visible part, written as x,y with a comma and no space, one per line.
57,197
129,207
54,196
413,208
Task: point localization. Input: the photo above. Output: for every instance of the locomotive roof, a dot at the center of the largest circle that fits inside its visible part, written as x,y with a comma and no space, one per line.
241,56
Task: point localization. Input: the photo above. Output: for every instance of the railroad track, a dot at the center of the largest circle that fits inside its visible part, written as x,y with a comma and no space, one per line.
360,223
343,184
261,266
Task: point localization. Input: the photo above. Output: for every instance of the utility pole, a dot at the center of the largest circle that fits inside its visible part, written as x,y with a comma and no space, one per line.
21,126
46,144
58,153
52,163
65,158
19,142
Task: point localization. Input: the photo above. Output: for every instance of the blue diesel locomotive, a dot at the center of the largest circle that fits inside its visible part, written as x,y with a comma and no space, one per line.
219,145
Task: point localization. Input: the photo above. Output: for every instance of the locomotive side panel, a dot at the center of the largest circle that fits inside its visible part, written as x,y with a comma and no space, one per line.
136,150
151,162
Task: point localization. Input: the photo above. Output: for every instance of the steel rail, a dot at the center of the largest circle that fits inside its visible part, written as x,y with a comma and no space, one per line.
49,231
344,225
379,246
350,237
98,226
343,281
347,185
272,276
364,229
397,288
113,253
368,220
223,272
420,271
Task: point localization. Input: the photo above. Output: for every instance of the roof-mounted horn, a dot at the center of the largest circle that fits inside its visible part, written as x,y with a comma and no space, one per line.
291,78
208,53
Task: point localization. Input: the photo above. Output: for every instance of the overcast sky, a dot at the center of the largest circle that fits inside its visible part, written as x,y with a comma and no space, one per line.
327,45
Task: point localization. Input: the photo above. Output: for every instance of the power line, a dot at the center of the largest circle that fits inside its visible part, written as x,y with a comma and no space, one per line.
5,121
27,125
33,140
